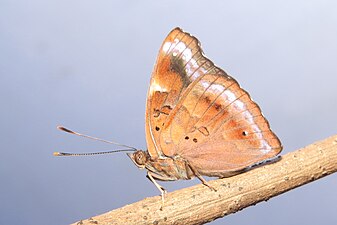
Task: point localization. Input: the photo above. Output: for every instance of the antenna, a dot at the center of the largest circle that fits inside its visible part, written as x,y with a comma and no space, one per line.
93,138
90,153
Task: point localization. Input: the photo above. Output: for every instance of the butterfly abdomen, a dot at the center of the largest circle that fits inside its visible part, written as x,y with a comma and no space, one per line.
169,169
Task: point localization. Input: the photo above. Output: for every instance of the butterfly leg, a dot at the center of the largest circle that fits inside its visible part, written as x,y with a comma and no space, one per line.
197,174
160,188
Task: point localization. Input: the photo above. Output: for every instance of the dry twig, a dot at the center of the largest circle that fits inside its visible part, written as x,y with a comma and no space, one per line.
198,205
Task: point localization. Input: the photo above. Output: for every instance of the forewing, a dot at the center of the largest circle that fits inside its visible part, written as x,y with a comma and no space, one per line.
180,62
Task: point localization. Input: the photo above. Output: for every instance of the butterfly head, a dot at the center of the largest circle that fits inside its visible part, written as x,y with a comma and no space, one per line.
139,158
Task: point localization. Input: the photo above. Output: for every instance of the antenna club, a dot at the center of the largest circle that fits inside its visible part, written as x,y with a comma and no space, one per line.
64,129
58,154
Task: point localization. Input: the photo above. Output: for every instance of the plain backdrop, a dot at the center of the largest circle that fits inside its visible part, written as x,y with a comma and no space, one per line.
87,65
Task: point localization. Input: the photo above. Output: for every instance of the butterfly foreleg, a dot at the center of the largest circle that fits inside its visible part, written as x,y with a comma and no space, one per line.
160,188
197,174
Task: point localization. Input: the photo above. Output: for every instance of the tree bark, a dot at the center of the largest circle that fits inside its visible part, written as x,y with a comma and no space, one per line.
199,205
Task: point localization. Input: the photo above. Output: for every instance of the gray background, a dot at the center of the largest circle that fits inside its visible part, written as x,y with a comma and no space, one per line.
87,65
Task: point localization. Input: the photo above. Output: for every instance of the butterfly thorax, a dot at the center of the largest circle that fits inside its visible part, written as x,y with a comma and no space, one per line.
164,168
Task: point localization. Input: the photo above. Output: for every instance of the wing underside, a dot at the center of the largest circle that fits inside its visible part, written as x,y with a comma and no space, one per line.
198,112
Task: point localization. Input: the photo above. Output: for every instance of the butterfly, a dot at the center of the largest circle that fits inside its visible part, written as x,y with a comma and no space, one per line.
199,121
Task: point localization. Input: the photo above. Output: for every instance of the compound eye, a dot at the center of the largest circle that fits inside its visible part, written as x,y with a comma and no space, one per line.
140,158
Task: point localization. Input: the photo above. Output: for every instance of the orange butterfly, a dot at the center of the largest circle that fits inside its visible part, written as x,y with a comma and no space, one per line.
199,121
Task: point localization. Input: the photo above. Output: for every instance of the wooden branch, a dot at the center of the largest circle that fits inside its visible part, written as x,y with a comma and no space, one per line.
198,204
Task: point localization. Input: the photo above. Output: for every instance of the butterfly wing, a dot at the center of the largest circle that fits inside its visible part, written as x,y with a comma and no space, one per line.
225,130
198,112
169,82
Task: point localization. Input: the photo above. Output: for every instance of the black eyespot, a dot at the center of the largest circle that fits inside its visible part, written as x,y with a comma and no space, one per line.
157,128
186,138
244,133
195,140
